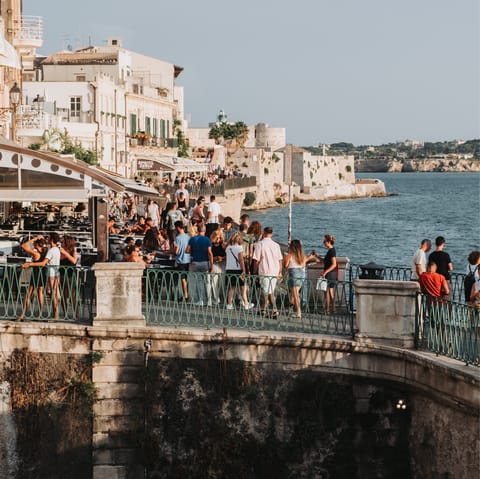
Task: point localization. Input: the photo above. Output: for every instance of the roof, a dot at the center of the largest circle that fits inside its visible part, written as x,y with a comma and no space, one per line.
82,58
32,160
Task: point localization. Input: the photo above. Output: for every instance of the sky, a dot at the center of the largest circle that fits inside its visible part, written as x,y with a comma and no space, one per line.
360,71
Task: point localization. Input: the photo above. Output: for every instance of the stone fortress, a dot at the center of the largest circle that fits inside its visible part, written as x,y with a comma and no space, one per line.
278,165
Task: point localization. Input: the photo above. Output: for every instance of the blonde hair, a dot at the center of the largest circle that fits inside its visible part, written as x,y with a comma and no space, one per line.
216,235
236,239
296,250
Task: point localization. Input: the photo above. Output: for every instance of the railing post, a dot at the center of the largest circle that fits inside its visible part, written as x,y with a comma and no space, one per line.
119,294
386,311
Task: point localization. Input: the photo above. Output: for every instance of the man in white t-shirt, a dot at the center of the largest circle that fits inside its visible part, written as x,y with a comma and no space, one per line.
268,264
182,189
213,216
419,260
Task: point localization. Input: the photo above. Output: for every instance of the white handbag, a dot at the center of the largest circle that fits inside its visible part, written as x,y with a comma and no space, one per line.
322,284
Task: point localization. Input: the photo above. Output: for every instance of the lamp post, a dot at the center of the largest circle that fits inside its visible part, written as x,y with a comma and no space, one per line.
15,97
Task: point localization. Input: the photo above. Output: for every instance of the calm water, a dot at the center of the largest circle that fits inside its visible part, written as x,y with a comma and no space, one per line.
389,230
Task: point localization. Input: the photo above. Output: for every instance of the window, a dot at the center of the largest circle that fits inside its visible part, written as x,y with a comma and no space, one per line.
147,125
80,78
133,123
75,104
155,128
162,129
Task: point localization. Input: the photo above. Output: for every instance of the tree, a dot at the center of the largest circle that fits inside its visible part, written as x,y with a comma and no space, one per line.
60,142
229,131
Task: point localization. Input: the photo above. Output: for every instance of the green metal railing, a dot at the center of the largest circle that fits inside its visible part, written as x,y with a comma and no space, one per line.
30,293
402,273
448,328
207,306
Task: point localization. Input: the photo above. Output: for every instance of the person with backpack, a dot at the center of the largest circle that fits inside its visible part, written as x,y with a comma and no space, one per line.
471,283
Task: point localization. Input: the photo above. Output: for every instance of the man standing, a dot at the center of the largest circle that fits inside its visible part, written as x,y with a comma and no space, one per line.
173,216
228,230
268,264
186,194
419,260
441,258
182,258
213,216
200,248
433,283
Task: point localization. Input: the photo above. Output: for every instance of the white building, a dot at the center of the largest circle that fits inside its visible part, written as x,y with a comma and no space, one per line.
107,98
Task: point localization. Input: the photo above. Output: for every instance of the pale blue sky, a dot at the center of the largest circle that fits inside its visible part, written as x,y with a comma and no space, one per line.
363,71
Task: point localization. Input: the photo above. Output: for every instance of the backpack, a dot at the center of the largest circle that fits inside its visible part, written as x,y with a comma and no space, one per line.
468,283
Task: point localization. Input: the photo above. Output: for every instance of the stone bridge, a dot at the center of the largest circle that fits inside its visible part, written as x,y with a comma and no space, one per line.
442,396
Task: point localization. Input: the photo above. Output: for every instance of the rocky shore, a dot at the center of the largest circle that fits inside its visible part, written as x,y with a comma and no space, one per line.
389,165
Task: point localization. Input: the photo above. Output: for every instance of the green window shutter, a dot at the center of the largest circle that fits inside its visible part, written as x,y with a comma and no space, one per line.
133,123
147,125
155,128
162,129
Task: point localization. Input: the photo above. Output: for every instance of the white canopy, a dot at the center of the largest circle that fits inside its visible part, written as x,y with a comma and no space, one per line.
8,55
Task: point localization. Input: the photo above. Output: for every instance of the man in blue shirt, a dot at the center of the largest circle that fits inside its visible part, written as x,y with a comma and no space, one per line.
200,249
182,258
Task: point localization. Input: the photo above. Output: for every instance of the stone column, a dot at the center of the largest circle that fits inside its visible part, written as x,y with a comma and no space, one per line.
119,294
385,311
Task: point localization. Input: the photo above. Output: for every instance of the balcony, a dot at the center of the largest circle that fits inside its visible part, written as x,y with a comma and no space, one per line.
29,32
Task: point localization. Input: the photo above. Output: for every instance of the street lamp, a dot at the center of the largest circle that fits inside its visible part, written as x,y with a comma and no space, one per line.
15,97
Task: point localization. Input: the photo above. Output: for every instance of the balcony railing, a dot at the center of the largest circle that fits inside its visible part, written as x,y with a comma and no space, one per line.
30,32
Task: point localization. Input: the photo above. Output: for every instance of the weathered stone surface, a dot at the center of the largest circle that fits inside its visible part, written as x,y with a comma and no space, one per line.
119,289
110,374
386,311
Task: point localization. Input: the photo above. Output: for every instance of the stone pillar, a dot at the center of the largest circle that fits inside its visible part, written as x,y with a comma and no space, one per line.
119,294
385,311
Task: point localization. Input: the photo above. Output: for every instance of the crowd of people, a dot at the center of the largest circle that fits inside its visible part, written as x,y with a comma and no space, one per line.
201,240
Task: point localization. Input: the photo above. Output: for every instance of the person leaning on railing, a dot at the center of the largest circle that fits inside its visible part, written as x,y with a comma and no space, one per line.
37,248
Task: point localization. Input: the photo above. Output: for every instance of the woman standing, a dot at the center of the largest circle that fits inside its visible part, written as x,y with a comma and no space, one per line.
295,261
37,248
68,283
330,271
235,269
218,266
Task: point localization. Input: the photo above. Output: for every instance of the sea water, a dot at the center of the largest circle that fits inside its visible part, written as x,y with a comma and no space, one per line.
389,230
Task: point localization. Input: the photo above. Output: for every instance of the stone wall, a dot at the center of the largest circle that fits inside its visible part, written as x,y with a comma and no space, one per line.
232,404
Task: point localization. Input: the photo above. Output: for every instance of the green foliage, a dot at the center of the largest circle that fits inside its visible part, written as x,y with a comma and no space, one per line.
229,131
97,357
249,199
276,158
311,174
245,164
60,142
35,146
182,142
266,171
348,168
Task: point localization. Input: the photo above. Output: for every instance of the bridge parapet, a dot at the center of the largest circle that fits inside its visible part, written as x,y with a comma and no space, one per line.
386,311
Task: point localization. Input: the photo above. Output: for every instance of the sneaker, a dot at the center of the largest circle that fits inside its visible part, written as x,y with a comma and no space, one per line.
229,306
248,306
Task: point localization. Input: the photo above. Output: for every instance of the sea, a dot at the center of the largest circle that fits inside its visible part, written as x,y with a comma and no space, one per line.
388,230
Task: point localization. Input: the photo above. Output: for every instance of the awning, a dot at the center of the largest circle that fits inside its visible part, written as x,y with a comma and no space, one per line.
8,55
